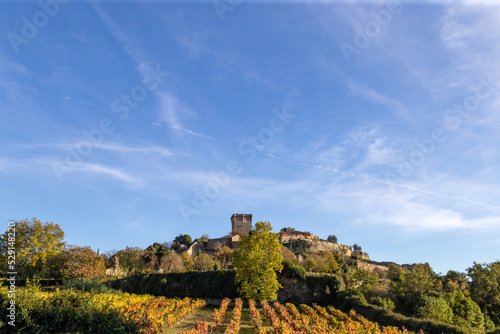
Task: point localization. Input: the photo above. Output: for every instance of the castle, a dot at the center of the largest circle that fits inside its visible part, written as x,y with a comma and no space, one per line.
240,224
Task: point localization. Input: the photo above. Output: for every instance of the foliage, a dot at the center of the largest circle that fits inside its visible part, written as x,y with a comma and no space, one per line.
288,319
131,259
293,269
485,288
73,311
204,262
34,243
223,255
413,285
87,285
363,280
33,285
203,238
288,255
386,303
181,239
395,272
257,260
187,260
386,317
466,312
322,262
455,281
435,308
67,311
154,254
332,238
76,262
208,284
356,248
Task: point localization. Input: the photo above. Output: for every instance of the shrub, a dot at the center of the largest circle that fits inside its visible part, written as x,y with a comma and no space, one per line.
386,303
208,284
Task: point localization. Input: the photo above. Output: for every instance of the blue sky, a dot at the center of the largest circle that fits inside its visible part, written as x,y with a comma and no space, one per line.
128,123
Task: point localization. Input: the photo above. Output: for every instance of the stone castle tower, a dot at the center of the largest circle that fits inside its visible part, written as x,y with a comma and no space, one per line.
241,224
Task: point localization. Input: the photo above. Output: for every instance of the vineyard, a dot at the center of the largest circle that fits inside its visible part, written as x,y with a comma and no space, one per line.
71,311
151,314
288,319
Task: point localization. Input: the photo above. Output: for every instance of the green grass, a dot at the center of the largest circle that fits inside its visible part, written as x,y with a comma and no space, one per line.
205,314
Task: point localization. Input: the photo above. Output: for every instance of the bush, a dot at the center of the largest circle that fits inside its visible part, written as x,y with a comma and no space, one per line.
208,284
386,303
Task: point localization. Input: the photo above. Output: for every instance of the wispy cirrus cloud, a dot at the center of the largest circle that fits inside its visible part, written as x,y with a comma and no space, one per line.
107,171
372,95
170,110
112,147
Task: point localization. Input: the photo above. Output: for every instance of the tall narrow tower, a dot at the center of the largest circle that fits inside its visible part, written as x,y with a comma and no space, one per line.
241,223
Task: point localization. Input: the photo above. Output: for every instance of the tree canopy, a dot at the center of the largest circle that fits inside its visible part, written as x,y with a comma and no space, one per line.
332,238
76,262
485,288
34,243
257,261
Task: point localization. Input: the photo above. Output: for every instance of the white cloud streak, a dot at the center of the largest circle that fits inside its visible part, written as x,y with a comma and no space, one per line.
170,108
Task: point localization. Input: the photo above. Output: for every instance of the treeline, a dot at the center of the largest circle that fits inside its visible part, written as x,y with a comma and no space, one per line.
468,300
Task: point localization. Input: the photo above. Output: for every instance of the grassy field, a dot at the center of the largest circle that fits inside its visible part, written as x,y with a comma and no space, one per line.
205,314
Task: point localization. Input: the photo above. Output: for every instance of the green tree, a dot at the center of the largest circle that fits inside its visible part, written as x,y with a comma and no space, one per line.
466,312
154,254
435,308
203,238
332,238
395,272
257,260
181,239
455,281
356,248
413,285
76,262
34,243
131,259
363,280
485,288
